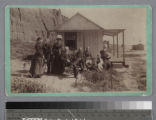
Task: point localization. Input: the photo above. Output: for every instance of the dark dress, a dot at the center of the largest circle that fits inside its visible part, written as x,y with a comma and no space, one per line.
47,49
58,62
37,62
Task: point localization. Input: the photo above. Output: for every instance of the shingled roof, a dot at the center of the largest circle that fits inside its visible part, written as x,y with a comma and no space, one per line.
78,22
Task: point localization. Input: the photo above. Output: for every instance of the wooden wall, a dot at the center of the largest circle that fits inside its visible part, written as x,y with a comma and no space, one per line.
93,39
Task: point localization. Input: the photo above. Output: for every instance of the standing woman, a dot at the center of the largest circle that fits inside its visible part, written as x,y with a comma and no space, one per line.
58,63
36,69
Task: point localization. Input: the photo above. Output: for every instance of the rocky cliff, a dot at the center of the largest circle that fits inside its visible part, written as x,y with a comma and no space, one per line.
26,24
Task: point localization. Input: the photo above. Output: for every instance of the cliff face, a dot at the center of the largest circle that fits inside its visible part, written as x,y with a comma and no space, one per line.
26,24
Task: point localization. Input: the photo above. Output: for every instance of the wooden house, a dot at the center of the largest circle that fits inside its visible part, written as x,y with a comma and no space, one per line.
80,32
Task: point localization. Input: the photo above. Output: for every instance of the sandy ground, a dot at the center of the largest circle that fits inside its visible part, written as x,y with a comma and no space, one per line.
66,82
136,66
62,83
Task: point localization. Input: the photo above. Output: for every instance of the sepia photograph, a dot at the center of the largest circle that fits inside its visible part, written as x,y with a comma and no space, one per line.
78,49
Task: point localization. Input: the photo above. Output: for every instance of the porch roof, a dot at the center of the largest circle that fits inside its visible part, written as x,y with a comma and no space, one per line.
112,32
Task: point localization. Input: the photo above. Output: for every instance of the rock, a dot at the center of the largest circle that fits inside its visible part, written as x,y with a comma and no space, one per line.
28,23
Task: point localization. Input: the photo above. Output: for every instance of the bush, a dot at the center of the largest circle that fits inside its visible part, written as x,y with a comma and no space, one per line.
94,76
21,85
104,81
99,81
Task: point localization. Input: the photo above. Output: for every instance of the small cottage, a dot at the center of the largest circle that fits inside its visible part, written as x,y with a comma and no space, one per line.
80,32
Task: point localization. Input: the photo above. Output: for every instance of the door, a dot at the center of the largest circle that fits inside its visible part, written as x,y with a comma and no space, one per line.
71,40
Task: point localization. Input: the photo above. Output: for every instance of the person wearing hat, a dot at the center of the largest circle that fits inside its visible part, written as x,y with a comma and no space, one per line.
36,69
105,56
58,65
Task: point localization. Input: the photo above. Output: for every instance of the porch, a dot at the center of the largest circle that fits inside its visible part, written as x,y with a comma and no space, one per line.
118,51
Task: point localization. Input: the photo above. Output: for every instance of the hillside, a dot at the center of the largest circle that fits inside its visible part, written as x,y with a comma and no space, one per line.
26,24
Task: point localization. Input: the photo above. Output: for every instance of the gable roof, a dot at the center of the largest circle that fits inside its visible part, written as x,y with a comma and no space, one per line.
78,22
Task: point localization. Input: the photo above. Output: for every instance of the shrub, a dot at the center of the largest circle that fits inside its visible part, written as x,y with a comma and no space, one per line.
94,76
104,81
21,85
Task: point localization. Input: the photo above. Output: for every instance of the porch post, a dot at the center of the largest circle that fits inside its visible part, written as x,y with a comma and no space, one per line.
117,47
113,46
123,39
83,40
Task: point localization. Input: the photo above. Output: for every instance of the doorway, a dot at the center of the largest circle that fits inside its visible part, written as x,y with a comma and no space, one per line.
71,40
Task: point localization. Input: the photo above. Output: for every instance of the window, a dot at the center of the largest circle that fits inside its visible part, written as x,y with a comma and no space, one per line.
71,40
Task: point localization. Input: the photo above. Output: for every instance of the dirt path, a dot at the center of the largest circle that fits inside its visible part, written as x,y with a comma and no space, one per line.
136,68
128,80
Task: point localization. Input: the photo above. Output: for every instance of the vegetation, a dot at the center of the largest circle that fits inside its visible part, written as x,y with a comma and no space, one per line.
94,77
103,81
140,74
26,86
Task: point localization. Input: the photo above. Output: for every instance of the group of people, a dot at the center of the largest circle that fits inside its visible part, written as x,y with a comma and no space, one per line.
47,54
56,58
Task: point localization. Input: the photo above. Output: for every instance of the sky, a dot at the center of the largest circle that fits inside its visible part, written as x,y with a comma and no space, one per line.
131,19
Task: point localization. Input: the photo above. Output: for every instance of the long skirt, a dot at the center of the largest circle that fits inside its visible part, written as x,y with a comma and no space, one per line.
58,65
36,69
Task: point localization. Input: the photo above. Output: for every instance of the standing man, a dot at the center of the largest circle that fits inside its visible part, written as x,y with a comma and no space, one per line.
48,54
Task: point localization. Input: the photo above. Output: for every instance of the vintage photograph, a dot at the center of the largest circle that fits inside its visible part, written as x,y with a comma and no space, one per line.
79,49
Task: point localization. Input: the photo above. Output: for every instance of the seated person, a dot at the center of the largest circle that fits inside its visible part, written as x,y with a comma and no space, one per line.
67,56
87,52
105,56
79,58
